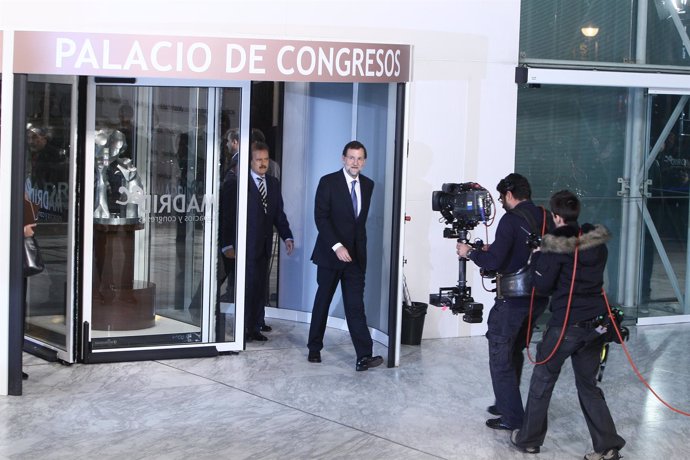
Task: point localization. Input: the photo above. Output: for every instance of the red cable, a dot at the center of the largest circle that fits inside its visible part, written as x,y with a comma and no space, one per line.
567,313
615,327
567,309
632,364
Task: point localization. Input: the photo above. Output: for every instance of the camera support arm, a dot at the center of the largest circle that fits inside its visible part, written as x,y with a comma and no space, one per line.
459,298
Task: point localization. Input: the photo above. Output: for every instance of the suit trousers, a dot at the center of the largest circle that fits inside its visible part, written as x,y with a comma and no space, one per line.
583,346
255,287
351,280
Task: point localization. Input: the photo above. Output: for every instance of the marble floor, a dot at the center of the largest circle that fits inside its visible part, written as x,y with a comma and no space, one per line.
269,402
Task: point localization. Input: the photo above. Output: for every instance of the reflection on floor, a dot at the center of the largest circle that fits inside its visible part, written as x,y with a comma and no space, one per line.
269,402
164,325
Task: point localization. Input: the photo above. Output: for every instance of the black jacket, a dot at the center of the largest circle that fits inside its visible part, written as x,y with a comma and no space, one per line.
509,252
336,222
259,223
552,270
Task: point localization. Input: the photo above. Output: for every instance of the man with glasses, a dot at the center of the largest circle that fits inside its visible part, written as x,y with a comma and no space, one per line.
508,256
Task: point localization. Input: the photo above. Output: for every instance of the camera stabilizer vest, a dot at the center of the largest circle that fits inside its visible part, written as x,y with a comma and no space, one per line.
519,283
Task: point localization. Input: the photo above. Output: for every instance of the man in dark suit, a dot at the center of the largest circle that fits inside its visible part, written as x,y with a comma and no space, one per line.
264,210
340,253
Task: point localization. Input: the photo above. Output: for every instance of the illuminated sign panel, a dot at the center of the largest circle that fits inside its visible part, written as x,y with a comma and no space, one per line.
116,55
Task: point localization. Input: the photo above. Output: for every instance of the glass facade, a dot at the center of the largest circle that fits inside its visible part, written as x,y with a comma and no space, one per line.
574,138
594,32
582,30
664,249
594,141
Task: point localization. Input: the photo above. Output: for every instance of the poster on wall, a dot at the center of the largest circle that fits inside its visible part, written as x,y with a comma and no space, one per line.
115,55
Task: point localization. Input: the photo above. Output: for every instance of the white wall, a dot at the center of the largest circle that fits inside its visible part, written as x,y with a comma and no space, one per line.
462,97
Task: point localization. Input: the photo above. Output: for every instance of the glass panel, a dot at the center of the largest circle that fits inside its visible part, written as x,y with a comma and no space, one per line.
666,28
226,187
577,30
668,209
574,138
150,215
48,109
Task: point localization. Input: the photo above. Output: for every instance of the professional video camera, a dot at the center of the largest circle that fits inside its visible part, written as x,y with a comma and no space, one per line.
463,207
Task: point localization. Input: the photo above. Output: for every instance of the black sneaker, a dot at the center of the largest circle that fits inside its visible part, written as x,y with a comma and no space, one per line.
608,454
493,410
528,449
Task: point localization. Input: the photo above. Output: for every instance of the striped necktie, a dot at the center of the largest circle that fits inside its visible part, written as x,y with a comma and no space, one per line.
262,191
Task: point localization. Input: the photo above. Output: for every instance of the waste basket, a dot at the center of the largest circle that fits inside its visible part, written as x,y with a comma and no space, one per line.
413,323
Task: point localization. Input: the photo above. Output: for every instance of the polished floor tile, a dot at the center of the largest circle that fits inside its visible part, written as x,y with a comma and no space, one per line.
269,402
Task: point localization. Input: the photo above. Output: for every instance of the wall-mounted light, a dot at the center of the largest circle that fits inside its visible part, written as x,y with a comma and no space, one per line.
589,30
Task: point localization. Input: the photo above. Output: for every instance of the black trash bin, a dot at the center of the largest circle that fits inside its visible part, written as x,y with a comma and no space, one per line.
413,323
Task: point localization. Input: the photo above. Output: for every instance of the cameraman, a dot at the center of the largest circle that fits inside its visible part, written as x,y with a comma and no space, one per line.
553,268
508,255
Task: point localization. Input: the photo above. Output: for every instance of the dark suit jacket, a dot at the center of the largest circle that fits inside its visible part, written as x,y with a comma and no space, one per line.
259,224
336,223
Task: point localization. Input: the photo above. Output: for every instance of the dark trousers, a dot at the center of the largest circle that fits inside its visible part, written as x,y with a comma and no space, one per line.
255,286
583,346
351,280
507,336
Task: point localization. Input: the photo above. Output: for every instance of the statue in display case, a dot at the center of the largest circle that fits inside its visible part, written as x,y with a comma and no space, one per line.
119,190
119,301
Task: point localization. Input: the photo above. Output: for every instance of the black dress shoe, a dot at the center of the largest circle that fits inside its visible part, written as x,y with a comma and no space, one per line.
314,357
258,336
25,376
368,361
493,410
497,424
265,328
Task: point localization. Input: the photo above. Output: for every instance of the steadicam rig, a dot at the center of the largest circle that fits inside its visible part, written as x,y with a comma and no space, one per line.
463,207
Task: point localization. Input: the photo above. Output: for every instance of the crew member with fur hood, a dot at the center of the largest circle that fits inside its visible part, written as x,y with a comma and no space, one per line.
552,275
552,269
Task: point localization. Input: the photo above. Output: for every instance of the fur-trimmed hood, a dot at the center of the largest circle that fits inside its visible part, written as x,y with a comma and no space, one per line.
562,240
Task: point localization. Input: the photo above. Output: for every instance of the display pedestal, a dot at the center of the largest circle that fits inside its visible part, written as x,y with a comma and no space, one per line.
119,302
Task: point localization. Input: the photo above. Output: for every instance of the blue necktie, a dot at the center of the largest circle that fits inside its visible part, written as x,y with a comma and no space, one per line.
353,194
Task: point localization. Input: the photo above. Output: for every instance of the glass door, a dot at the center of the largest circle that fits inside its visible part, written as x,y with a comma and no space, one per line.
664,274
49,184
156,157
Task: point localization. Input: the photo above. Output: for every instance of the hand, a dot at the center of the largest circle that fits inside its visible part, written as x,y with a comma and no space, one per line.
289,246
342,254
29,230
462,249
229,253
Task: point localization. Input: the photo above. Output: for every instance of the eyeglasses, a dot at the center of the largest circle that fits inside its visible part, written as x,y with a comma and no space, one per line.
501,198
